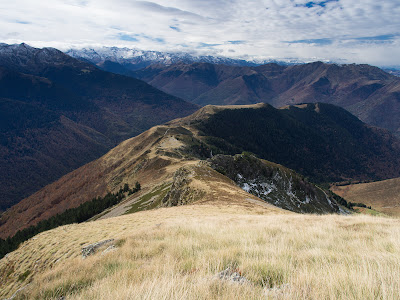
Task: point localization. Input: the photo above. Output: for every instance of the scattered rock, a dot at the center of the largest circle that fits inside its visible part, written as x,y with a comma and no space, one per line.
181,192
109,249
92,248
232,275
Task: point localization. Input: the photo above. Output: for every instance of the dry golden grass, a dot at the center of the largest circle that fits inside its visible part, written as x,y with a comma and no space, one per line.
209,110
383,196
175,253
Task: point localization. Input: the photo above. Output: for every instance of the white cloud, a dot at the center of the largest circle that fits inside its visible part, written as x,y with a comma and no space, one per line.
362,31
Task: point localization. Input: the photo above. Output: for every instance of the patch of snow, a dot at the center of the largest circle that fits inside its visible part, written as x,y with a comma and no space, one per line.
343,212
246,187
327,199
133,56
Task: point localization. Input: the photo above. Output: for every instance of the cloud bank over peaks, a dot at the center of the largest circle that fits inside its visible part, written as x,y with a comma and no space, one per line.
360,31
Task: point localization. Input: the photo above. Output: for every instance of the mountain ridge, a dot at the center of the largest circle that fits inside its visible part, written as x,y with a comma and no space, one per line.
170,162
124,60
310,138
128,59
368,92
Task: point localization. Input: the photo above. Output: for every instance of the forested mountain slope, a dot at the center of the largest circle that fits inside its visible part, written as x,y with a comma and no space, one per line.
368,92
58,113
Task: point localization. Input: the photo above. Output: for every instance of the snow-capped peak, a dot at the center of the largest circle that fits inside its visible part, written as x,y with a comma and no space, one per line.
127,56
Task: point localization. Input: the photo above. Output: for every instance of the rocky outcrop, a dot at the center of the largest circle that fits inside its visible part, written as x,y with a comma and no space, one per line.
92,248
232,275
273,183
181,191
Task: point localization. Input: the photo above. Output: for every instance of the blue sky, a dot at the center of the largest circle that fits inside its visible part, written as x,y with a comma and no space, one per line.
359,31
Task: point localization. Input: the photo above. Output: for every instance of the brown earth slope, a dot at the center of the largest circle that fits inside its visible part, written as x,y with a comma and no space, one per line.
117,167
383,196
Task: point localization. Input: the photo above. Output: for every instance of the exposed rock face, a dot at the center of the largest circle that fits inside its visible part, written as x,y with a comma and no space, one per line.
92,248
181,192
275,184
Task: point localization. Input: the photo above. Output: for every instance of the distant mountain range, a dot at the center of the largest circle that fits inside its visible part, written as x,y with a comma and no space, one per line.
369,93
58,113
125,60
393,71
366,91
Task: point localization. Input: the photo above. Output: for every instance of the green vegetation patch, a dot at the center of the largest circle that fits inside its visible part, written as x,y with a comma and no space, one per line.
65,288
112,267
24,275
150,200
369,211
194,147
266,275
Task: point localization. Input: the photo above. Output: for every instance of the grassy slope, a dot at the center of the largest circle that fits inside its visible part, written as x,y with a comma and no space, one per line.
127,163
150,158
383,196
174,253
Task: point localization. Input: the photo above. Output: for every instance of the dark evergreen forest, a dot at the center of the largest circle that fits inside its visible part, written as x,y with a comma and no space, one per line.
79,214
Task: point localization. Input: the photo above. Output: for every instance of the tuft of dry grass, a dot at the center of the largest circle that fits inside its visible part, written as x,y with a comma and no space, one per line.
176,253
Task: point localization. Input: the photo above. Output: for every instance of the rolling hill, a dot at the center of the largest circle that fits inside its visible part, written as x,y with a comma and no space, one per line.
164,160
58,113
383,196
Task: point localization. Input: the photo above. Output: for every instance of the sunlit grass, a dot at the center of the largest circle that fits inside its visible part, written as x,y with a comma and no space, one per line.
176,253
